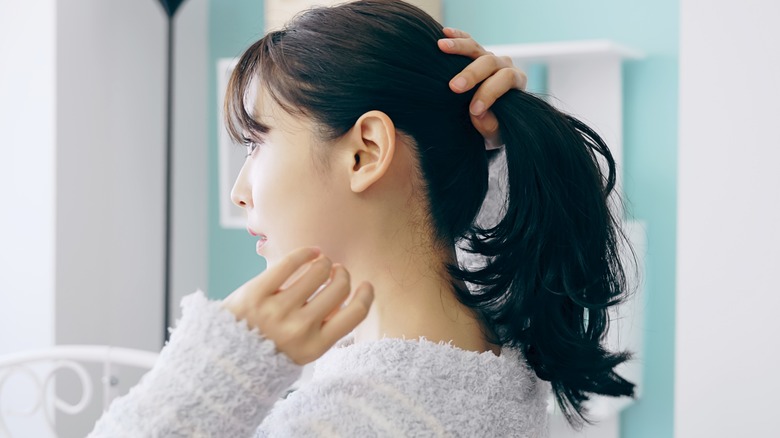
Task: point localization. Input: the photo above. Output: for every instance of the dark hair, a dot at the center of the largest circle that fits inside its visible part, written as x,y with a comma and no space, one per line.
553,259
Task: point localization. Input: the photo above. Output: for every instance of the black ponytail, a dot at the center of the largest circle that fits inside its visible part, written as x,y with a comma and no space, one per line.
554,265
553,258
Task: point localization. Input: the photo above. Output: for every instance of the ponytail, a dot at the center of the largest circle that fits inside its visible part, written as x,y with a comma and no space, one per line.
553,266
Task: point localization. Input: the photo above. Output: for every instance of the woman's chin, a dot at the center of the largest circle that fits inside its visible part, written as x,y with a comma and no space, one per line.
261,243
267,253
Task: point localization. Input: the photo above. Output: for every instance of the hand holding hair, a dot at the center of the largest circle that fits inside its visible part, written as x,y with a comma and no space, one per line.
498,73
279,303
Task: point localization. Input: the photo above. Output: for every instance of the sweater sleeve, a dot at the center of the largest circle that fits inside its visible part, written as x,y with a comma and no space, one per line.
214,377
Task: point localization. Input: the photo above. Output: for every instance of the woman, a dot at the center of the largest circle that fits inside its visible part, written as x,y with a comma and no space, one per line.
367,164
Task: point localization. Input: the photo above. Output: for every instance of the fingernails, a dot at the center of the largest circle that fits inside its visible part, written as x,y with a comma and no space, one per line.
459,83
452,29
448,43
477,107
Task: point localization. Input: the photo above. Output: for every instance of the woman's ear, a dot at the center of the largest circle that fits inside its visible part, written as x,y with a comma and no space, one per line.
372,143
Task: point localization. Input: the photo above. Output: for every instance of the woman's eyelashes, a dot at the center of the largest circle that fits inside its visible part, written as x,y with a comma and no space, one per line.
250,146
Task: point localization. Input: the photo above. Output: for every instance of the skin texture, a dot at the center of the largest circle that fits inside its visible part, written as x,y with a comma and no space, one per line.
365,214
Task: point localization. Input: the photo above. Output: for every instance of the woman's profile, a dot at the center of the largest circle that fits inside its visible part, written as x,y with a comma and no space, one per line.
370,134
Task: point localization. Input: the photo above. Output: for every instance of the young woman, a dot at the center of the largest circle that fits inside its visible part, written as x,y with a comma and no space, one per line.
369,145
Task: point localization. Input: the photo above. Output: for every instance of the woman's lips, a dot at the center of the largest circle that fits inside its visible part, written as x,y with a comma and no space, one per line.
260,243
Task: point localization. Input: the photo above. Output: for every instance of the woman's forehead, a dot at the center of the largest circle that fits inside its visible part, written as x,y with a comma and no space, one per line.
251,100
260,105
265,110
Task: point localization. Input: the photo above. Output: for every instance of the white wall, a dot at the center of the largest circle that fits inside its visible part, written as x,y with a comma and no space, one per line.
110,152
27,157
728,330
190,142
82,129
111,138
111,162
27,102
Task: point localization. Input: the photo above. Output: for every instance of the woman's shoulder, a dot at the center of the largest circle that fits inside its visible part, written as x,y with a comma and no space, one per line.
416,386
397,356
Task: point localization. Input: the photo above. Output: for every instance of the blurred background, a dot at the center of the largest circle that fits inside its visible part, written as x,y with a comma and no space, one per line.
83,169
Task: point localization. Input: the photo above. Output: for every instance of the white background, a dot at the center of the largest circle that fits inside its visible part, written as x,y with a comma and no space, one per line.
728,298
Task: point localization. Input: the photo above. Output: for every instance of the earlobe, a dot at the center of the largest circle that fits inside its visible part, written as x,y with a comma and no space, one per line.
374,147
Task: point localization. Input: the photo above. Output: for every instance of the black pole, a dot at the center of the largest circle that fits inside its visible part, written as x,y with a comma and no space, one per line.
170,7
168,184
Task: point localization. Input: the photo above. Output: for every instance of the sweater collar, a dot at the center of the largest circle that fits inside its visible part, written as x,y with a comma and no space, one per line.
423,360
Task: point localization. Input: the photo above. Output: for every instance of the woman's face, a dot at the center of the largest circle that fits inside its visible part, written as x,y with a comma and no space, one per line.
287,200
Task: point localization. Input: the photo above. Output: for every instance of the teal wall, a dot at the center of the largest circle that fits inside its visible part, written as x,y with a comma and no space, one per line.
650,148
233,26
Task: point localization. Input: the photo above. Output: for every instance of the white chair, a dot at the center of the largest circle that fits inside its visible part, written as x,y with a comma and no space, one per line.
50,360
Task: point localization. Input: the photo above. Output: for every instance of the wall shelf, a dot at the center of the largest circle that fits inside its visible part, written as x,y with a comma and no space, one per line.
573,64
585,50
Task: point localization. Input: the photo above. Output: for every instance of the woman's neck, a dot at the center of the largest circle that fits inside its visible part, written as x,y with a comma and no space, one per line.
412,298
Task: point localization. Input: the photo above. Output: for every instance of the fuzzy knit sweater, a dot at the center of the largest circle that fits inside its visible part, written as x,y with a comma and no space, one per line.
217,378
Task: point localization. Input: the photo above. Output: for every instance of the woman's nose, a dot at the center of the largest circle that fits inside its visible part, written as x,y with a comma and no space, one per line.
237,198
240,194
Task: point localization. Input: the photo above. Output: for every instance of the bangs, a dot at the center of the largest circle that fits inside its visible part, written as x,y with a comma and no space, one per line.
242,92
263,65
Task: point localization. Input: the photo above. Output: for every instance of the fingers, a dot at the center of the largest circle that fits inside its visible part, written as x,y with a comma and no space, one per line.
484,67
309,282
495,86
487,125
485,64
331,297
326,307
495,74
451,32
345,320
273,277
462,46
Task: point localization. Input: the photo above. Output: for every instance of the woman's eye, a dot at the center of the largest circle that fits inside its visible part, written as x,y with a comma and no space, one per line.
250,146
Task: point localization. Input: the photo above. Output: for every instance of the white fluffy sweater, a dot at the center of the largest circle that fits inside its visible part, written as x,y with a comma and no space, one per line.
215,377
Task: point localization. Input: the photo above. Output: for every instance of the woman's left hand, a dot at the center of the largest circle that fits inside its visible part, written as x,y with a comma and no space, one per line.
280,303
497,72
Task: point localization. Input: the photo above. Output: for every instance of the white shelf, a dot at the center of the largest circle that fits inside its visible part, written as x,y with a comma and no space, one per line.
565,51
584,79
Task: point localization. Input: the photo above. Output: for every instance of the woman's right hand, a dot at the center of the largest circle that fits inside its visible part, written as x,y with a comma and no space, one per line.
498,73
278,303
